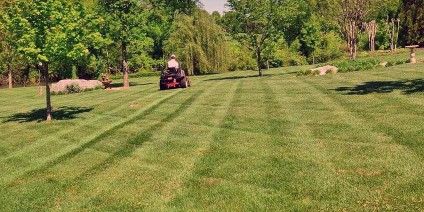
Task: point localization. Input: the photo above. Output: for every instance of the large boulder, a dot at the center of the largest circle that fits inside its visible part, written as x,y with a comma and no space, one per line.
324,70
84,84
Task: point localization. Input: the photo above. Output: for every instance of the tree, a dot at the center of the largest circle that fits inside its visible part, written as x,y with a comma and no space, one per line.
351,14
199,42
371,28
127,25
310,37
8,36
393,27
412,17
48,37
261,21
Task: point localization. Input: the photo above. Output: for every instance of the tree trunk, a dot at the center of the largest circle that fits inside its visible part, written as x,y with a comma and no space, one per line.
355,50
107,62
258,52
9,72
352,40
125,64
40,88
48,100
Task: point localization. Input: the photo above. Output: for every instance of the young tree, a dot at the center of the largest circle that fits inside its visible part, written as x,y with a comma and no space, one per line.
8,36
393,27
310,37
371,28
353,14
261,21
49,37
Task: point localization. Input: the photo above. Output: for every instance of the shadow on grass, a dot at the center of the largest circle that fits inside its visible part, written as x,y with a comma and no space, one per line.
406,86
250,76
39,115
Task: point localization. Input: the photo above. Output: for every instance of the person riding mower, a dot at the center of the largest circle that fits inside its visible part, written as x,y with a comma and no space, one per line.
174,77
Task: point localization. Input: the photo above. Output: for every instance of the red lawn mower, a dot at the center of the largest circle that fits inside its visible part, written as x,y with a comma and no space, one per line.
174,78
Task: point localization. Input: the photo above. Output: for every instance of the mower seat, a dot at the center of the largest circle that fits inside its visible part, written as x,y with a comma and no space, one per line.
173,71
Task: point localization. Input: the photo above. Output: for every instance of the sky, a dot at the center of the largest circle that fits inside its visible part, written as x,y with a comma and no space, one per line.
214,5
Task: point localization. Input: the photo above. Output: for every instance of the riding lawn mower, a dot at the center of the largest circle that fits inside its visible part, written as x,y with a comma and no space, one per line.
174,78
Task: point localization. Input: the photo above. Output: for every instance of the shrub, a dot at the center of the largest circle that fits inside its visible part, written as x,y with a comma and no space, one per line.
330,72
329,49
356,65
73,88
304,73
400,62
315,73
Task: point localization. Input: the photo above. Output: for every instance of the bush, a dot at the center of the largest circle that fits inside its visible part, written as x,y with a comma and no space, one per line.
356,65
73,88
329,49
330,72
316,73
304,73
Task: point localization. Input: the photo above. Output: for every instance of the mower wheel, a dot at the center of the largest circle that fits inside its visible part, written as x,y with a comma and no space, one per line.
162,87
184,83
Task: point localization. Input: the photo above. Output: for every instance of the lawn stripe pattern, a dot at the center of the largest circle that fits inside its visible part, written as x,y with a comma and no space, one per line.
232,142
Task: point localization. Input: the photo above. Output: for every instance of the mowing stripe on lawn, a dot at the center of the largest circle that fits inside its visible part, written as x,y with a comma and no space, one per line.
159,143
314,174
198,168
139,139
95,138
398,136
410,172
127,149
53,136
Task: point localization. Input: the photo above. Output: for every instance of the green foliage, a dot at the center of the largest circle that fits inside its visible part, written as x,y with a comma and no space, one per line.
199,43
289,55
310,37
73,88
329,48
412,18
357,65
260,22
239,57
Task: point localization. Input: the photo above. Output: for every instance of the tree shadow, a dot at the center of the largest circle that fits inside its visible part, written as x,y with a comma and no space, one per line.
406,86
39,115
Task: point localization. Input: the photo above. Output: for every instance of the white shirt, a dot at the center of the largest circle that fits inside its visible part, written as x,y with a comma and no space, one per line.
173,64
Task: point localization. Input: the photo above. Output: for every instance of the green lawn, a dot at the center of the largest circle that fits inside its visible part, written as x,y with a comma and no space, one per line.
231,142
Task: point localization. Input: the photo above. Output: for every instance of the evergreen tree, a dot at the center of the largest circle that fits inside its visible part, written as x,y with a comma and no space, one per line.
412,18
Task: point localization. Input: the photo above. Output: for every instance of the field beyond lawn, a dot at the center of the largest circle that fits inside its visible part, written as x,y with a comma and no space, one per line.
232,142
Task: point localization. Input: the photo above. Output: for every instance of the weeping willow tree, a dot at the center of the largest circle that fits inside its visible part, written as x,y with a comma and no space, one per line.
199,43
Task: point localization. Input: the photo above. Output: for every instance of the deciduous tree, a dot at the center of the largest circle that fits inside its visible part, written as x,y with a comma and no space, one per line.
261,21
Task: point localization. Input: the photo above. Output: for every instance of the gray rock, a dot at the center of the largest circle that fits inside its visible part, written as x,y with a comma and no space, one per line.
84,84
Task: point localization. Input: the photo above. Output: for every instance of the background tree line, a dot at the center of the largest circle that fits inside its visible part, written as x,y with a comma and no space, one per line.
81,39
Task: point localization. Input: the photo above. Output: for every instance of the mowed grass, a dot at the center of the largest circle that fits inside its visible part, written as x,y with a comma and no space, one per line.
231,142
